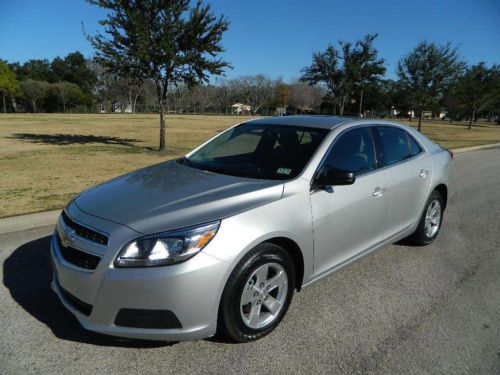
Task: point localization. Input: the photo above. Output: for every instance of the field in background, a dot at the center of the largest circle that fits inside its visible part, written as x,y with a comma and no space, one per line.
45,159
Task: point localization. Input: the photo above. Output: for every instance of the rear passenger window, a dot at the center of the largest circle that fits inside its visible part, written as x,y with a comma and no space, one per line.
414,146
394,143
353,152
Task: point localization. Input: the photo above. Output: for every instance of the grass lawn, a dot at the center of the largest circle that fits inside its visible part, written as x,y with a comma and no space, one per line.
45,159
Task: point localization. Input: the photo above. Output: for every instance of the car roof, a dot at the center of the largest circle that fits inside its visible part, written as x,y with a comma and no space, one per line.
309,121
327,122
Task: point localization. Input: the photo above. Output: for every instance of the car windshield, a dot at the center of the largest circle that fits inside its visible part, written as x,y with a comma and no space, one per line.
275,152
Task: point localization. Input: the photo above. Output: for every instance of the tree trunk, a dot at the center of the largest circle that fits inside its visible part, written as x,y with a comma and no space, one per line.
470,120
361,102
34,105
420,118
4,104
162,127
135,102
161,92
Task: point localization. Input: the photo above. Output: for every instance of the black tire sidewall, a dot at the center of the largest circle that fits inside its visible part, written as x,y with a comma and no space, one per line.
232,322
420,236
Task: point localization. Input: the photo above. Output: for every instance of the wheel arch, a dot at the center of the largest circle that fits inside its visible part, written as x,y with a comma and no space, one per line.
443,190
293,249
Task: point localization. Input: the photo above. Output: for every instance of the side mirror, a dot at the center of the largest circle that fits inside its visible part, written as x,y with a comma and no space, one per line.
330,176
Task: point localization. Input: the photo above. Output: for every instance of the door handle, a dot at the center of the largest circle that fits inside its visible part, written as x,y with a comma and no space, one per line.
423,173
378,192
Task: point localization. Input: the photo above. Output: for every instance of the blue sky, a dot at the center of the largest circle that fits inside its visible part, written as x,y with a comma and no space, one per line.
275,37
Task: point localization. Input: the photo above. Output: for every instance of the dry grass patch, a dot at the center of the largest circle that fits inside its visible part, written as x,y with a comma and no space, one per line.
47,158
456,135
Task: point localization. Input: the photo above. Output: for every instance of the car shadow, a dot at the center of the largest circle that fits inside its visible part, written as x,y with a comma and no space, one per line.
73,139
27,274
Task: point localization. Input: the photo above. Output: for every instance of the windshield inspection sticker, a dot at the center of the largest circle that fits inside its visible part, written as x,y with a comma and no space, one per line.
286,171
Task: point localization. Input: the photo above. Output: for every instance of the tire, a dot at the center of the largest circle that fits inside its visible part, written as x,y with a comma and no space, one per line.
238,321
425,235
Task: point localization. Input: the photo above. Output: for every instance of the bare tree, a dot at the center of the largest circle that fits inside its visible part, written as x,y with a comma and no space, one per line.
255,91
179,97
149,96
225,95
201,97
302,95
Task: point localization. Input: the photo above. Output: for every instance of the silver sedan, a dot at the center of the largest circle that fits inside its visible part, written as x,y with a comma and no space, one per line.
219,240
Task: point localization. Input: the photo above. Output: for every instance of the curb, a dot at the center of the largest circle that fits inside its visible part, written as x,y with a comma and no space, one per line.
29,221
474,148
42,219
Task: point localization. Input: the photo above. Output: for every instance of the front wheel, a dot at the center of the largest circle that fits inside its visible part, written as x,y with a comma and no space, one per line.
257,294
430,222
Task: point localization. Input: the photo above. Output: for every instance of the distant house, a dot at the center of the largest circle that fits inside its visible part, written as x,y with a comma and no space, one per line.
428,115
123,108
241,109
281,111
114,107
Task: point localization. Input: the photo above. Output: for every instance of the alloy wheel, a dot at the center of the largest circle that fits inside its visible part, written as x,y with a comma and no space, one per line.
432,218
264,295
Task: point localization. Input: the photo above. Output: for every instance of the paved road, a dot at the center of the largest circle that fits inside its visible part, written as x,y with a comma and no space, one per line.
400,310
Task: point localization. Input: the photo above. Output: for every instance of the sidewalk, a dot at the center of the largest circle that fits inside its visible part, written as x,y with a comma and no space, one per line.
41,219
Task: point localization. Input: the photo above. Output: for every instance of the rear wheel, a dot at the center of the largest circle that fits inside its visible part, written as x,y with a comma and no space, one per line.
430,222
257,294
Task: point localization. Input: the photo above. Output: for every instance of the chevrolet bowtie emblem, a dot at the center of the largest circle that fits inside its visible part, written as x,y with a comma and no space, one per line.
69,237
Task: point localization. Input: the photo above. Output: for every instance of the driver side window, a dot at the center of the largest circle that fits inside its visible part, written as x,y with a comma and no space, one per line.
353,152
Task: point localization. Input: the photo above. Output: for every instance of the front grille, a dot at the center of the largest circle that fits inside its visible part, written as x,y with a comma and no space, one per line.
85,232
81,306
78,258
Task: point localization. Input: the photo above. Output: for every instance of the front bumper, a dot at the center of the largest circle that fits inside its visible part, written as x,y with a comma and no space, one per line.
190,291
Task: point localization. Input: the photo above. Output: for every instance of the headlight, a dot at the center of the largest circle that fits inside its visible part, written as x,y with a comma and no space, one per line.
166,248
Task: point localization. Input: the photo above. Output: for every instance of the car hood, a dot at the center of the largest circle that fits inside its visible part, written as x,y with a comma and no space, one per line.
169,195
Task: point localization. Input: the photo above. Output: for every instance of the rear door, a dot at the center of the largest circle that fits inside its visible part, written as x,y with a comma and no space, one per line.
408,176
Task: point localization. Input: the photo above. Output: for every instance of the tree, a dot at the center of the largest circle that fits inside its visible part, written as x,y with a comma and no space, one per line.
179,97
474,87
167,41
8,83
225,95
34,91
38,70
427,71
325,69
201,97
303,95
282,95
75,69
69,93
344,69
492,101
255,91
369,67
451,101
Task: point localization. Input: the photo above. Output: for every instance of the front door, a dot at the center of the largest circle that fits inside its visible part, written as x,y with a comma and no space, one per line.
351,219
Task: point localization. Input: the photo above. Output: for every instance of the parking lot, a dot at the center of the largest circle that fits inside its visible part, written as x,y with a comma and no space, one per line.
401,310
